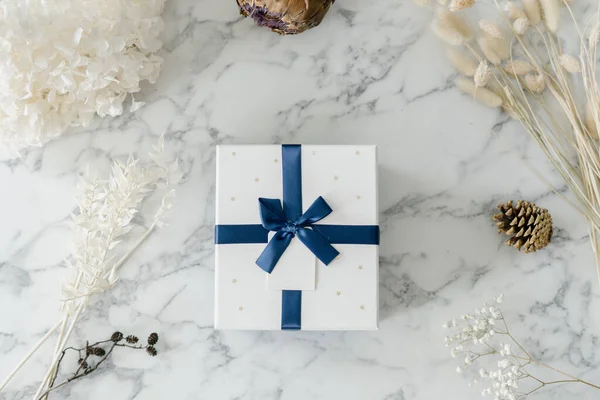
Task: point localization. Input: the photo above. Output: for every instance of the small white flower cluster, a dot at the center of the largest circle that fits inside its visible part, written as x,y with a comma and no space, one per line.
61,63
504,381
472,337
477,327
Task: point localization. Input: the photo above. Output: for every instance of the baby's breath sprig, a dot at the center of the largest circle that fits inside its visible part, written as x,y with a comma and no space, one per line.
91,356
485,333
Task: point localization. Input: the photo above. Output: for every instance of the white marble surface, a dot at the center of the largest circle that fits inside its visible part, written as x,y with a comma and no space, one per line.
372,73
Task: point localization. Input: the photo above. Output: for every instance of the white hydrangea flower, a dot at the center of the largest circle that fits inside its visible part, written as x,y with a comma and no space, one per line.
60,65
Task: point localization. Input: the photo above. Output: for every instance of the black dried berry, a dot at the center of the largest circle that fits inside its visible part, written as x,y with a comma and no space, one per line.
116,337
153,338
151,351
97,351
131,339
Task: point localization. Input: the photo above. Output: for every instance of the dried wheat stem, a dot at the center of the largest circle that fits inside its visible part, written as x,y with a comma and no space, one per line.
594,239
513,11
483,95
521,26
592,119
570,63
482,74
561,163
462,62
488,50
452,28
536,83
137,244
551,9
518,67
491,29
63,342
532,9
28,355
458,5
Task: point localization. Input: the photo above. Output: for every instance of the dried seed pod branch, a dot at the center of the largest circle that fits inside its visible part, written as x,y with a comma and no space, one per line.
91,357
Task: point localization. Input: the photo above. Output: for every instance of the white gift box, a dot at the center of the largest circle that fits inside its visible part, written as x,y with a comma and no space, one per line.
340,296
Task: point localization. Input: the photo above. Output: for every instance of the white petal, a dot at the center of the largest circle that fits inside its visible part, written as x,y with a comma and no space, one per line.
136,105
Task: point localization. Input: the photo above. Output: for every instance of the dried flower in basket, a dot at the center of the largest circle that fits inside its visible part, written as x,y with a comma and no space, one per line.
529,226
286,17
77,61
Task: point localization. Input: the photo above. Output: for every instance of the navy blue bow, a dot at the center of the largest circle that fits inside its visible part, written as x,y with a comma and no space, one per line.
274,219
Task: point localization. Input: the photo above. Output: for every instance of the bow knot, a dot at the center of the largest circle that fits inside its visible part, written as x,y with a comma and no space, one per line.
291,228
274,219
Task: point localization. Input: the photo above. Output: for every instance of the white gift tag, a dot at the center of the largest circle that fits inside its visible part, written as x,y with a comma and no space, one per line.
296,269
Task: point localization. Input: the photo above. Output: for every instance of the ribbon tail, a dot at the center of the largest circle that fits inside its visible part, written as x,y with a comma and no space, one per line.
273,251
291,309
318,245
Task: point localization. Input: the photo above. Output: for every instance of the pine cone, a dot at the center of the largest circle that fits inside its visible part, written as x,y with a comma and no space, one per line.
529,225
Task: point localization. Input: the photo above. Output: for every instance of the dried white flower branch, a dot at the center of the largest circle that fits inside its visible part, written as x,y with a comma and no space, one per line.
484,334
60,65
102,225
538,89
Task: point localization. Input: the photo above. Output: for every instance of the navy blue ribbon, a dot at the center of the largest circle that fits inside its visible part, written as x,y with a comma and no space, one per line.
288,221
274,219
